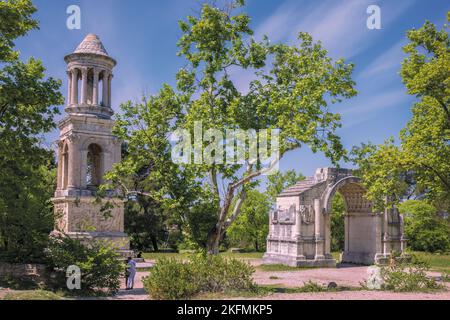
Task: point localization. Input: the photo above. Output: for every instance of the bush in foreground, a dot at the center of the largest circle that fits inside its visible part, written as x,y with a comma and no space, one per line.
99,262
173,279
407,276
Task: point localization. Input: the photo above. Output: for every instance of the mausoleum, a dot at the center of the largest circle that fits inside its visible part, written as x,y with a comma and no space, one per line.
87,148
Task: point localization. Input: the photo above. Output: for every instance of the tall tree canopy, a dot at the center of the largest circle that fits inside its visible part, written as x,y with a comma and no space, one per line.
292,91
419,165
27,108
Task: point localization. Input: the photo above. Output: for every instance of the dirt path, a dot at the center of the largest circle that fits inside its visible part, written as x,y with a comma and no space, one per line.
358,295
344,276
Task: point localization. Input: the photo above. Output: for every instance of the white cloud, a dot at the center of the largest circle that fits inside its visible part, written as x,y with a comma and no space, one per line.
340,25
365,106
388,63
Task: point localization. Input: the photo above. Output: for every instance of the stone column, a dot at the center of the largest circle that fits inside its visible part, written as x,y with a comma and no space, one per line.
298,236
74,165
74,90
60,166
318,230
69,88
385,232
83,169
347,230
95,87
327,234
402,235
105,89
71,167
298,225
378,238
84,85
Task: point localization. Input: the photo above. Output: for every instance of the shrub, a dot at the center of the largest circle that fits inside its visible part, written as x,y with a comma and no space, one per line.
445,276
407,276
174,279
424,228
98,260
312,286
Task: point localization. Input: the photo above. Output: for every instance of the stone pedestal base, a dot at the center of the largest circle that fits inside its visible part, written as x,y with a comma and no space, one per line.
76,215
270,258
117,239
384,258
364,258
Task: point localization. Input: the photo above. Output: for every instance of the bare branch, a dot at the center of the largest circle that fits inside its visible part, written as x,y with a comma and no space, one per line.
236,210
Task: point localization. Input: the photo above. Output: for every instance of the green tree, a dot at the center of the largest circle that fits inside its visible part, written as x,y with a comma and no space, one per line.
293,90
27,109
426,71
145,223
424,229
163,197
278,182
419,164
337,223
252,226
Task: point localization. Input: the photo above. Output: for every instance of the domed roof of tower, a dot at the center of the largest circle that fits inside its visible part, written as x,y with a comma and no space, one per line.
91,44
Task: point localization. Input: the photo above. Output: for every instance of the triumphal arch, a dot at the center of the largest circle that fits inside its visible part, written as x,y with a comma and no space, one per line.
87,149
300,233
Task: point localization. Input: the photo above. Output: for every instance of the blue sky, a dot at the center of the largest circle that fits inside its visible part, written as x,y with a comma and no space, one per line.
142,34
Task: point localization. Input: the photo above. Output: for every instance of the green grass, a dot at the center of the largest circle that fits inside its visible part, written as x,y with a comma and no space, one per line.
174,255
279,267
32,295
438,262
336,256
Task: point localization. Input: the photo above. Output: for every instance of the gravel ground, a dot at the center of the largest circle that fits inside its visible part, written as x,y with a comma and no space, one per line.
344,276
358,295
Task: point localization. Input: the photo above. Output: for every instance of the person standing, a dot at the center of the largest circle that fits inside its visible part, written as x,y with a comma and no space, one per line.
131,273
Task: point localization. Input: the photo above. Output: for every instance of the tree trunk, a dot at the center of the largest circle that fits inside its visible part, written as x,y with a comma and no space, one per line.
256,246
154,243
213,241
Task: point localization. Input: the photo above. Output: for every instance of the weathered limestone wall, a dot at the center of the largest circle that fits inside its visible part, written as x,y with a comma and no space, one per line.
35,272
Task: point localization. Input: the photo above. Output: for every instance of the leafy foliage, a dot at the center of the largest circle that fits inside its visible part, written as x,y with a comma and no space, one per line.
404,276
27,110
252,226
99,262
426,71
424,229
174,279
419,164
337,223
278,182
293,90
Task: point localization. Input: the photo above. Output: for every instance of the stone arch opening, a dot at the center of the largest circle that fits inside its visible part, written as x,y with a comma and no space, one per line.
79,89
94,166
360,223
101,88
65,166
90,86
